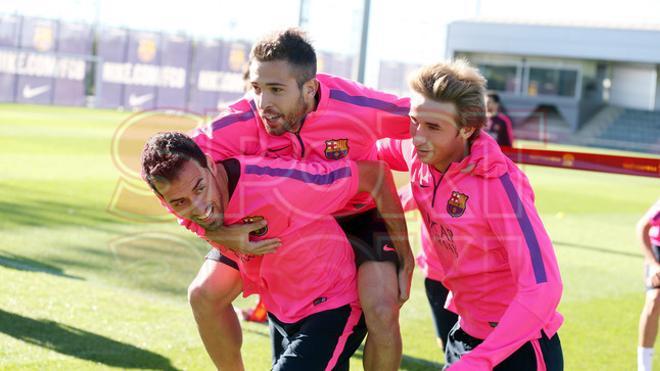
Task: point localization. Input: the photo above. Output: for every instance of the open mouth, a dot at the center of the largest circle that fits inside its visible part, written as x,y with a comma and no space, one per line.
271,118
206,218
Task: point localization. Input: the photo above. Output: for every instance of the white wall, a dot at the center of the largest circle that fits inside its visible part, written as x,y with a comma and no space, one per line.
634,86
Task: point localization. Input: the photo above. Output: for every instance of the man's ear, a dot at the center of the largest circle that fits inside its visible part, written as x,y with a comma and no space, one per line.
310,87
467,131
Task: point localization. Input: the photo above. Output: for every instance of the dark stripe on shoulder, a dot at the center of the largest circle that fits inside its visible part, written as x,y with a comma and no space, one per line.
300,175
526,227
363,101
233,169
231,119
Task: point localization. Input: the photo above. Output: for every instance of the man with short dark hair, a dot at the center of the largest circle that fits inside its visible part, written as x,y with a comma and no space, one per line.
309,284
293,112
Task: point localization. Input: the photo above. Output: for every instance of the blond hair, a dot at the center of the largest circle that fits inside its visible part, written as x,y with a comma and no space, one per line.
456,82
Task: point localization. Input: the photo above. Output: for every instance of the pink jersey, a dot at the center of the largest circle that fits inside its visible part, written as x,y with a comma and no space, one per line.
348,121
426,259
654,221
496,256
314,269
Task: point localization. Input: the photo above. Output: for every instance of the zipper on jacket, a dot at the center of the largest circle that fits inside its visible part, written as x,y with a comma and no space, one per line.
436,185
302,145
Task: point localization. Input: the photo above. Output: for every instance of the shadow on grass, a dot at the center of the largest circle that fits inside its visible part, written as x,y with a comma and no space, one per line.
9,260
48,213
80,343
597,249
408,363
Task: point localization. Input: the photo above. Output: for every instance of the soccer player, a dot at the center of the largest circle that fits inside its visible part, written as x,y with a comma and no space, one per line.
499,124
648,230
309,284
293,112
497,259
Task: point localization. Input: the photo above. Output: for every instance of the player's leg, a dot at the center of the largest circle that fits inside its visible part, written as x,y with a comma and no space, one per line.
321,341
378,288
211,293
379,296
648,324
443,319
648,329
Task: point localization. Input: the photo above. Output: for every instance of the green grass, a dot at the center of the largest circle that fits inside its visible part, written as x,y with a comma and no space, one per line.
84,288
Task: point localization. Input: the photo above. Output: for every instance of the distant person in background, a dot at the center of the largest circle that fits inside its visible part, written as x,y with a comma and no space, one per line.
648,230
499,124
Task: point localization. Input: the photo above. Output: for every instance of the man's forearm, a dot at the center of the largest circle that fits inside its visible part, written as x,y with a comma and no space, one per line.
383,190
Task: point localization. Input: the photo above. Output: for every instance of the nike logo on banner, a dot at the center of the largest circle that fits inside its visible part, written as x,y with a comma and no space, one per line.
30,92
138,100
387,247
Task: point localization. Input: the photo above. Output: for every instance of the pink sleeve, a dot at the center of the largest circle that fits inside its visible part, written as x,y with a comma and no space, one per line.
232,133
392,151
516,224
304,189
394,123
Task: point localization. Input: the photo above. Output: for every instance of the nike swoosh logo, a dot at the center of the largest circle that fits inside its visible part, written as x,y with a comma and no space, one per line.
278,149
138,100
30,92
387,247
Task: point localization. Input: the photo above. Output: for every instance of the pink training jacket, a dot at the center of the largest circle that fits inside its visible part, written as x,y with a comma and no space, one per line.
496,256
314,269
348,121
426,259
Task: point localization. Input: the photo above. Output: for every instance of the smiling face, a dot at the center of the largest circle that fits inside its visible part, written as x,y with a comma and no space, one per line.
281,102
436,136
194,194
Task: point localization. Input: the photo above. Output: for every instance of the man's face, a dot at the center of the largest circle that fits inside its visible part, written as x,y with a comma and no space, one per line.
195,195
435,134
278,97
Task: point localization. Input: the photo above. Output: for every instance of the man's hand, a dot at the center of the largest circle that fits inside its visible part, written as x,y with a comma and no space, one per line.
406,268
237,238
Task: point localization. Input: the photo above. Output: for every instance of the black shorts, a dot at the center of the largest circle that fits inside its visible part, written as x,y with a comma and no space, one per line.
368,235
460,343
216,255
443,319
320,341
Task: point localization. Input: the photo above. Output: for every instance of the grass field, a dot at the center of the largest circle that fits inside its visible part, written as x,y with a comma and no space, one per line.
83,286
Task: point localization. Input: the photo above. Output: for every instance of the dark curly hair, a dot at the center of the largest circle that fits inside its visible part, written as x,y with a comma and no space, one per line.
292,46
165,153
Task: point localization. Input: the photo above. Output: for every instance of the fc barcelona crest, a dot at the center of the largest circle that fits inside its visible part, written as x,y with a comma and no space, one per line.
456,204
252,219
336,149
